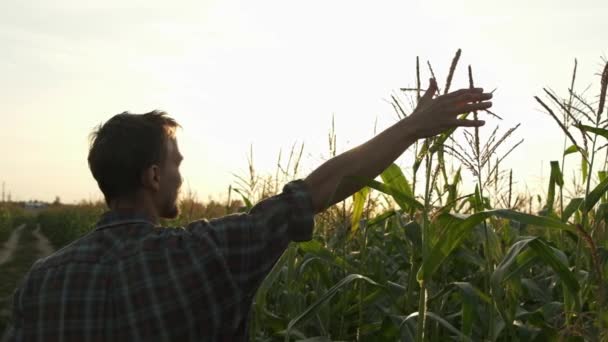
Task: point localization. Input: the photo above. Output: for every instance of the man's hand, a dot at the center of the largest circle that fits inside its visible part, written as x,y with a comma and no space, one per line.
331,182
436,115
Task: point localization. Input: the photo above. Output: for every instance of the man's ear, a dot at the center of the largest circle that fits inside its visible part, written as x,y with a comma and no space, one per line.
150,178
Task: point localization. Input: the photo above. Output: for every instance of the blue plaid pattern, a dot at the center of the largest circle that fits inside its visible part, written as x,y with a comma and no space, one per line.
129,280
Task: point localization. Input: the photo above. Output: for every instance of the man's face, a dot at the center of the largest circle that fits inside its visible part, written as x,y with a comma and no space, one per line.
170,181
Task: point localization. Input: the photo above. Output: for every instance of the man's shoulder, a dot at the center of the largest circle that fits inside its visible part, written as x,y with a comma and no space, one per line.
90,248
109,246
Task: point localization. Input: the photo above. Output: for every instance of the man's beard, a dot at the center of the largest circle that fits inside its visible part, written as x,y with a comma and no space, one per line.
171,210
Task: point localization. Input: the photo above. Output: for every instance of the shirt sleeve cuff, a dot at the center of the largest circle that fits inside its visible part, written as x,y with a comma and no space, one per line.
301,218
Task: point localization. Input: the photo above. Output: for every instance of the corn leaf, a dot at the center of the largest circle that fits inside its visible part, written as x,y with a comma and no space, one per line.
316,248
421,154
439,320
556,178
594,196
571,149
572,207
358,205
602,212
380,218
394,177
312,262
248,203
602,175
556,173
584,167
596,130
554,258
314,307
403,200
453,237
558,261
260,298
471,299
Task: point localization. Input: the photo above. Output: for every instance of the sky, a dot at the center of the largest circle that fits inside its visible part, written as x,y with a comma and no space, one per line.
270,74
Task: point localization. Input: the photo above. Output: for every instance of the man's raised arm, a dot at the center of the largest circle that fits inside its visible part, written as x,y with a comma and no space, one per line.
330,184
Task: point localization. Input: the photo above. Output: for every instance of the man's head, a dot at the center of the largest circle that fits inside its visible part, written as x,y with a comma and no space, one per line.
135,157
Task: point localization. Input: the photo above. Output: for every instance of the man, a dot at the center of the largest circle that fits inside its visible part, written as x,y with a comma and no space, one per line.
131,280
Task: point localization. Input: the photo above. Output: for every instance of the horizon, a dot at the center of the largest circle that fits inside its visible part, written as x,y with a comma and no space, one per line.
236,74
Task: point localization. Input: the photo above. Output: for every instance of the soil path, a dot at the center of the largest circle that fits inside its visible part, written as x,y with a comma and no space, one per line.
44,245
7,250
43,248
6,253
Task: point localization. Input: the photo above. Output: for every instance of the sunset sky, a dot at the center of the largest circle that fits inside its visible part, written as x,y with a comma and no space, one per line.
270,74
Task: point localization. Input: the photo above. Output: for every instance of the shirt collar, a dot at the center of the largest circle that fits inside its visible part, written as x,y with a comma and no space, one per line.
116,218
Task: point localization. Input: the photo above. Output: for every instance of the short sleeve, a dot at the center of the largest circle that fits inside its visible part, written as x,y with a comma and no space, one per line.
251,243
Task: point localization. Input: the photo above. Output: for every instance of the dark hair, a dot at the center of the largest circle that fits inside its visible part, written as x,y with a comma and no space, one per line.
123,147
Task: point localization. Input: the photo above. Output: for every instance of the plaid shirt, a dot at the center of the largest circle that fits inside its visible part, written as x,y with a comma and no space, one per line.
129,280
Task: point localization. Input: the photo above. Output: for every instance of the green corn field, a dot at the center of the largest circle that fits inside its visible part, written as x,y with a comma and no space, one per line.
415,257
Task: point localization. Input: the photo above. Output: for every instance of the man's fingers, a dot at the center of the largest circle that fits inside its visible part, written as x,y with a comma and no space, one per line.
469,123
466,108
472,97
430,91
433,84
463,92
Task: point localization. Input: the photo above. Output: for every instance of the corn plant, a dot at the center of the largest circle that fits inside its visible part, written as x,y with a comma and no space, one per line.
5,223
447,266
